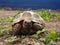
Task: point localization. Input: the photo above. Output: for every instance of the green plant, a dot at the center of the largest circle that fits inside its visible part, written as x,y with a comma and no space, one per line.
6,19
11,39
51,38
40,34
47,15
5,30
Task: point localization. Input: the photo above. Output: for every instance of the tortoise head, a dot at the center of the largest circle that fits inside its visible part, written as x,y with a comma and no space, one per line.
27,24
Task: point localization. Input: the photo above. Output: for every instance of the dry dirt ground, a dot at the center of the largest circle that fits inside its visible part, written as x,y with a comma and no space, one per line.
4,13
48,25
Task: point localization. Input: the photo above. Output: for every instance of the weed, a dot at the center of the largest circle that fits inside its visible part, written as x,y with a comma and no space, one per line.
47,15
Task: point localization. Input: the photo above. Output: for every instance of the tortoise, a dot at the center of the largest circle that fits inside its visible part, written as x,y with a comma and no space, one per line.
27,23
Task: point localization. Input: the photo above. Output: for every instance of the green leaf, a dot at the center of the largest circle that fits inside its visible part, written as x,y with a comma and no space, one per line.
52,43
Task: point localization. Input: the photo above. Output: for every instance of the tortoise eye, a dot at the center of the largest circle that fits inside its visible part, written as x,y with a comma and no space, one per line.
38,23
41,24
25,22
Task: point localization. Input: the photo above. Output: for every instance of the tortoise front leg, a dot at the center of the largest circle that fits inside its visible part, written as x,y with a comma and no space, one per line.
38,26
16,29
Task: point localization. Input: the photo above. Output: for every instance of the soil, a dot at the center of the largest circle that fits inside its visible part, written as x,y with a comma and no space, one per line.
48,25
4,13
53,26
